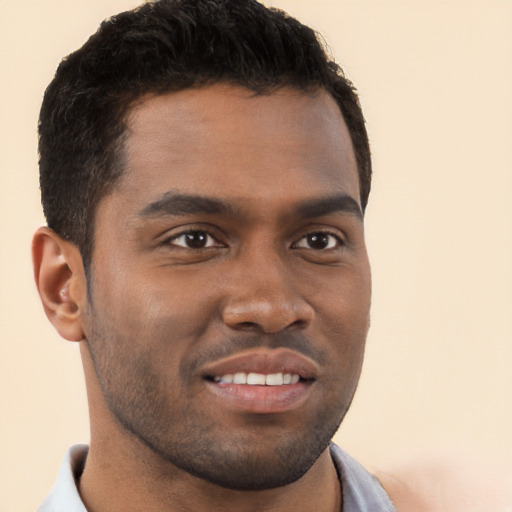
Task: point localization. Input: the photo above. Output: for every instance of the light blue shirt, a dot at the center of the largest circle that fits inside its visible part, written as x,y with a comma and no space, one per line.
362,492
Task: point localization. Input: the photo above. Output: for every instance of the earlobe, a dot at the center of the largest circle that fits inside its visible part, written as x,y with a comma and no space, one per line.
60,281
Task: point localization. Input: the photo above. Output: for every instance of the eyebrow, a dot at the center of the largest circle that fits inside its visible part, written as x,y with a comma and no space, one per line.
341,203
187,204
176,204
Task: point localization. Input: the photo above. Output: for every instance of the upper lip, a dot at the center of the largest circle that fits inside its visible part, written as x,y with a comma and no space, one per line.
265,361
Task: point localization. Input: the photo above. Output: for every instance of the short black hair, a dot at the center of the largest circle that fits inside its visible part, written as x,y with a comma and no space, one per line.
159,47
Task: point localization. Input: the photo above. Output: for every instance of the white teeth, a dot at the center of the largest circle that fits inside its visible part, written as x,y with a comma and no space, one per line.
274,379
240,378
258,379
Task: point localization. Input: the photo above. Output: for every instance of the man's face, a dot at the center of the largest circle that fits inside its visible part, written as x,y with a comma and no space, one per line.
230,285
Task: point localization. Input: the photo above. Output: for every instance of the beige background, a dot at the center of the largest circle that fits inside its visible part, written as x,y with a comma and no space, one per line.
435,79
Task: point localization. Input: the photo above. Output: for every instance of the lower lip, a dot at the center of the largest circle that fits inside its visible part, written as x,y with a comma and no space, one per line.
262,399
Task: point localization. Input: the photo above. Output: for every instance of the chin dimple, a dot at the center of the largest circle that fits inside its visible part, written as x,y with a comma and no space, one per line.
258,379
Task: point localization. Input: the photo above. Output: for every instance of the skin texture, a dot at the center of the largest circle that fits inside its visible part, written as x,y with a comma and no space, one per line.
274,267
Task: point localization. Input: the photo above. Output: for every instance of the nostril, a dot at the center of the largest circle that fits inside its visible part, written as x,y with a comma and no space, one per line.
298,324
247,326
252,326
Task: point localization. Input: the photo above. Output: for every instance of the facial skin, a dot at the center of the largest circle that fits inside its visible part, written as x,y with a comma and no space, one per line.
273,278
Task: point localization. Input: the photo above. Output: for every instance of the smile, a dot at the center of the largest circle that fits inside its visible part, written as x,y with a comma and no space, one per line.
261,381
258,379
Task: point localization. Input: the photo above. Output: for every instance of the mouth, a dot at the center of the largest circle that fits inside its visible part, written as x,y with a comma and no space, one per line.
262,381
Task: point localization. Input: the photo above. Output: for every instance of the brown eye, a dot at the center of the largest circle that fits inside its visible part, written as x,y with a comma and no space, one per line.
318,241
194,240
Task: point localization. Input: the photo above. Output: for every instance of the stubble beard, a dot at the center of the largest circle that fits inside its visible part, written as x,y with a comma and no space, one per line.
256,458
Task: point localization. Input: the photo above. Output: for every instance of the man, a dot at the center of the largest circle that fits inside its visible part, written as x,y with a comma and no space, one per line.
204,174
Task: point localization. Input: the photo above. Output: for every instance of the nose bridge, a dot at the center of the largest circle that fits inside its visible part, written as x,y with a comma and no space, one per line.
262,294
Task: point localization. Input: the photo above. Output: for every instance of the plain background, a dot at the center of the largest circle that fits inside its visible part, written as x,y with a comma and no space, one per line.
435,79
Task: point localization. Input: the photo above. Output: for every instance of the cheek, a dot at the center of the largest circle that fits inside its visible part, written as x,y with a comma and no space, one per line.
344,297
343,318
155,299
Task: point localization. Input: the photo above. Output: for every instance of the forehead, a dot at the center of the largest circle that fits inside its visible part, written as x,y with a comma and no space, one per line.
228,142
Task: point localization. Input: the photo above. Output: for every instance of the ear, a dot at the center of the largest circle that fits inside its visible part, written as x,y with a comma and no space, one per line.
60,281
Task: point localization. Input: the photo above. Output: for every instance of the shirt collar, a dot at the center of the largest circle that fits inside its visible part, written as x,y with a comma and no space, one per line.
64,496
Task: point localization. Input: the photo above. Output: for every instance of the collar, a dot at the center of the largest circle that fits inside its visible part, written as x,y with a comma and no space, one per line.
362,491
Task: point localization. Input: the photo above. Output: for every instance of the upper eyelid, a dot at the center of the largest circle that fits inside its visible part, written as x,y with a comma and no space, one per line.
178,231
188,231
335,232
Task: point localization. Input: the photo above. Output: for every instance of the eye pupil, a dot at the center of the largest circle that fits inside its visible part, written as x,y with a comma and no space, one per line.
196,239
318,240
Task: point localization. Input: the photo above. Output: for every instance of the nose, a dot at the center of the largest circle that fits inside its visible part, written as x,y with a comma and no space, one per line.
262,296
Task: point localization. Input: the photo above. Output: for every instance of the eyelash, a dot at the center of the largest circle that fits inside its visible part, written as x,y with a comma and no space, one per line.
339,242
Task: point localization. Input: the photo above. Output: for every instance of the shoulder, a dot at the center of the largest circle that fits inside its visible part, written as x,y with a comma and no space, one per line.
438,483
